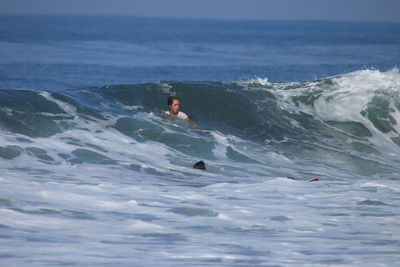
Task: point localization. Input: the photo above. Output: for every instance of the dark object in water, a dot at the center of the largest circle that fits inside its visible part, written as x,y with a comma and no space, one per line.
200,165
309,180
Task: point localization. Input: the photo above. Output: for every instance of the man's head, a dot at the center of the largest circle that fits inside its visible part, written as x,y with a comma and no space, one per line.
173,105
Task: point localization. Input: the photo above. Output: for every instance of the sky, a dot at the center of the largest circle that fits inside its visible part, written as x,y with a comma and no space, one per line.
364,10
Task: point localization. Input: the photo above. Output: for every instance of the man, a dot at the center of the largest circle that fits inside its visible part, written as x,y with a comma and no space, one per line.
173,108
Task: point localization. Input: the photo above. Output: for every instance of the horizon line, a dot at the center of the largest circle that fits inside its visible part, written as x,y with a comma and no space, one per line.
201,17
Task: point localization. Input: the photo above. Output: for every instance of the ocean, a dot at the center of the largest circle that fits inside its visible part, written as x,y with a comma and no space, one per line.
93,173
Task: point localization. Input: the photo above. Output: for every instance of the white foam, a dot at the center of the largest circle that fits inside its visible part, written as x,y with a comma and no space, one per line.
220,146
346,98
166,88
124,213
258,80
391,186
68,108
352,93
145,226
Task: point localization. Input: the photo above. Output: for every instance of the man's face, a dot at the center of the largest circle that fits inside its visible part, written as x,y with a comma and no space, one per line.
175,107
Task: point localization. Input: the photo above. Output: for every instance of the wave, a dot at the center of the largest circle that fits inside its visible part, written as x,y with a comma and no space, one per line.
346,123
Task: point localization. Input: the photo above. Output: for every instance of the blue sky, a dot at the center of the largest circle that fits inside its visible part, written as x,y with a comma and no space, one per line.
370,10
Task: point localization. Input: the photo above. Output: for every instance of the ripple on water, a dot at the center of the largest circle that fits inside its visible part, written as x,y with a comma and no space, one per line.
280,218
371,202
188,211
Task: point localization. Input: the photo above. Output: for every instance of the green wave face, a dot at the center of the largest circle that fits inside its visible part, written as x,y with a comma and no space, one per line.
348,122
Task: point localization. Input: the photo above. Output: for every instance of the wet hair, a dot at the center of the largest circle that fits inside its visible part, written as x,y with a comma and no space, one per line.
171,100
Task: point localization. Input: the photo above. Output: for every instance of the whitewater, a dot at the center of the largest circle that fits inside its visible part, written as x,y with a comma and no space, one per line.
93,173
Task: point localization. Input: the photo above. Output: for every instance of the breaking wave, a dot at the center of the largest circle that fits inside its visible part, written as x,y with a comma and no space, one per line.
339,127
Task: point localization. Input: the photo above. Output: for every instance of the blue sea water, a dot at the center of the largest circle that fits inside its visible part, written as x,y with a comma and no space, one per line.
92,173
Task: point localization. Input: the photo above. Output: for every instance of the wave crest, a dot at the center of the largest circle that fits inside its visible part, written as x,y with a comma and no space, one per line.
350,121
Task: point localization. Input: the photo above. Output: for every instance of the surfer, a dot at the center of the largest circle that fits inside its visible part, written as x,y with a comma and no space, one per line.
173,108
